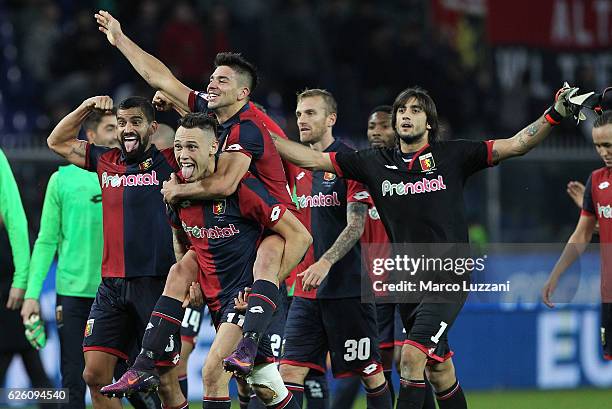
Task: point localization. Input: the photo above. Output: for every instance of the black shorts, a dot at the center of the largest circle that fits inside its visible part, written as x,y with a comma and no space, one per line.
228,313
120,314
427,326
191,324
345,327
391,331
606,330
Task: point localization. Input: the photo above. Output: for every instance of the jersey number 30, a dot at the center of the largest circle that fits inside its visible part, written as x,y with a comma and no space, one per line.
357,349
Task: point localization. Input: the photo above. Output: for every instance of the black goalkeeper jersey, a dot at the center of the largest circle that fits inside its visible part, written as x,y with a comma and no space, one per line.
420,195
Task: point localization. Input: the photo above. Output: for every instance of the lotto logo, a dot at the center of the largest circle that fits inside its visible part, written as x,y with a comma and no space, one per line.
361,195
234,148
370,369
256,310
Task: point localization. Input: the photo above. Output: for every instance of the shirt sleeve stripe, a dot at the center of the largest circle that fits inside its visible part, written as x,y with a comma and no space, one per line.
489,144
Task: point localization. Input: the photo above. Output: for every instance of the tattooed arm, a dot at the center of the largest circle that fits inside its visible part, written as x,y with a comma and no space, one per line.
355,223
63,139
522,142
533,134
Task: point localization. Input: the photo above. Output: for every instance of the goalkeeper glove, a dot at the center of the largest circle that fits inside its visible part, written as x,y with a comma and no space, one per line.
35,331
562,108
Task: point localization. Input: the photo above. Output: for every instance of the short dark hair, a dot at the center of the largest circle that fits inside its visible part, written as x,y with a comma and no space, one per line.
328,98
604,119
139,102
239,64
94,118
426,103
387,109
199,120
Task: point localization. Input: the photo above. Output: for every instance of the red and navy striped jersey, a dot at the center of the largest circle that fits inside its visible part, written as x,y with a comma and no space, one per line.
597,202
225,234
374,242
137,238
322,197
248,132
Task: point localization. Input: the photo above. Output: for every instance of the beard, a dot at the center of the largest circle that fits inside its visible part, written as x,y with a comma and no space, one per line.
410,139
133,153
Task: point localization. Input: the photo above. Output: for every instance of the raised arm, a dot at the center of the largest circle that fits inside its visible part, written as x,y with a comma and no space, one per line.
575,246
301,155
152,70
356,214
526,139
63,139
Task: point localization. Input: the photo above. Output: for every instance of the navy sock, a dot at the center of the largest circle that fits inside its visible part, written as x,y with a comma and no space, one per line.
243,401
379,398
256,403
162,329
452,398
430,402
316,391
389,378
297,391
262,303
216,403
411,395
183,384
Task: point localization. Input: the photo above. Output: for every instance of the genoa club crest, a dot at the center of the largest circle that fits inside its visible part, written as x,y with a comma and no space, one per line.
328,176
218,207
427,162
146,164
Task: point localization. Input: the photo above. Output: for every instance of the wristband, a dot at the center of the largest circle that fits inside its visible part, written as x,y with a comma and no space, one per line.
552,116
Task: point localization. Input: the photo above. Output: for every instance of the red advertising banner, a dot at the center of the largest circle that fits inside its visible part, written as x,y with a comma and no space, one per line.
554,24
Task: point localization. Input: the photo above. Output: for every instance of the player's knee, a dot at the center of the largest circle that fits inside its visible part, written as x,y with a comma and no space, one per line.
374,381
413,360
178,281
94,377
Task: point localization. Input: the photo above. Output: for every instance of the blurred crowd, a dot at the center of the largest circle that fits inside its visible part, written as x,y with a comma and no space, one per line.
364,51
